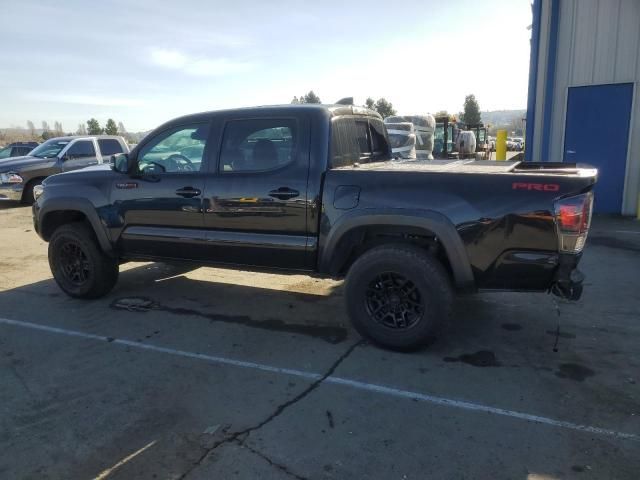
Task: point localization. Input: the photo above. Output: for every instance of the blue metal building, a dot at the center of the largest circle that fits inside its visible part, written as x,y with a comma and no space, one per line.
583,88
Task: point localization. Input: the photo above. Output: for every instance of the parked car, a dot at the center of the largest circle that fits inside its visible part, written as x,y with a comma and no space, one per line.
17,149
19,175
519,143
313,188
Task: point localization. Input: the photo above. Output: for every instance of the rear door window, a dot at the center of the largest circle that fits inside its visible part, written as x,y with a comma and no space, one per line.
109,146
258,145
81,149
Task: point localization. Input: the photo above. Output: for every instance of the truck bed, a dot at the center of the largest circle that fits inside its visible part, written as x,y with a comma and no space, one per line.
476,167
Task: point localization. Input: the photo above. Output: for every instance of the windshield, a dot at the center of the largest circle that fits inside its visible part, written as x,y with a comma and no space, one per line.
49,149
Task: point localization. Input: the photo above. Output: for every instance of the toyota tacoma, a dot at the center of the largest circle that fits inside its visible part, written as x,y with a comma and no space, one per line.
314,188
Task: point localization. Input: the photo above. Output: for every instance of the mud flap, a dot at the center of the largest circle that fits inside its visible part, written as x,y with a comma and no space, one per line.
568,280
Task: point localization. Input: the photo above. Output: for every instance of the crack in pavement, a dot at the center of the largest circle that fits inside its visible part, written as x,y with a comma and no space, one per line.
279,466
21,379
235,437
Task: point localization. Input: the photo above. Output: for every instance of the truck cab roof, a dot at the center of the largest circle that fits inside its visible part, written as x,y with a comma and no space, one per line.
331,110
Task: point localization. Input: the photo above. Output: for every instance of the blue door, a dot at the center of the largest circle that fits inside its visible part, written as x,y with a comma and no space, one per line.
597,133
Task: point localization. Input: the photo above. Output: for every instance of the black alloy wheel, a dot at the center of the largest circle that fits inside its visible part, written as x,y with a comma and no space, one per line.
394,301
74,264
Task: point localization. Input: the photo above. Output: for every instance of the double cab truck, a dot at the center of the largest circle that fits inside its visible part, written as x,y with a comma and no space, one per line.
20,175
314,188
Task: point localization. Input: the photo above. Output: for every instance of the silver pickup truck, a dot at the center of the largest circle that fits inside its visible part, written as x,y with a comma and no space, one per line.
19,175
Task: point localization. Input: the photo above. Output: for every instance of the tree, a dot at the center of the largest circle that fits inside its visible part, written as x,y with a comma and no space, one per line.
295,101
57,128
46,133
471,113
310,98
370,103
110,128
444,113
121,128
384,108
93,127
31,127
82,130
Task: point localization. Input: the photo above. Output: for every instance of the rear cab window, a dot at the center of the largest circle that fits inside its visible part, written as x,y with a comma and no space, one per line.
358,140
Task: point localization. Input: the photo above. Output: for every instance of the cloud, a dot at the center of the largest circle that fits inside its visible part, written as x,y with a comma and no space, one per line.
198,66
79,99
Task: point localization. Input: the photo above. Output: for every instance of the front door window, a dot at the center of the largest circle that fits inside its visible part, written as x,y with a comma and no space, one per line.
180,150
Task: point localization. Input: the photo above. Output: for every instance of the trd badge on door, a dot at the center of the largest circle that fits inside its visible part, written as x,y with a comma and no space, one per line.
127,185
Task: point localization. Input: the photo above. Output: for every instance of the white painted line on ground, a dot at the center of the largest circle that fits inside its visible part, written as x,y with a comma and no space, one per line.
108,471
370,387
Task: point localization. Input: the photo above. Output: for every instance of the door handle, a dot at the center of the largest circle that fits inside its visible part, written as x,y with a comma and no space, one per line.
284,193
188,192
571,151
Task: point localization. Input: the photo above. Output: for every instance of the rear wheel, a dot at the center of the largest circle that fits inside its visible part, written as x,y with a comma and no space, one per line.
398,296
79,266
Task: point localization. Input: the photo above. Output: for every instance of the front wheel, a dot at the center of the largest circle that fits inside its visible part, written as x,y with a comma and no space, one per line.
80,268
398,296
27,194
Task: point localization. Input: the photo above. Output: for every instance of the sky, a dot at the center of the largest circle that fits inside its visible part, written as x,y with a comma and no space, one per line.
143,62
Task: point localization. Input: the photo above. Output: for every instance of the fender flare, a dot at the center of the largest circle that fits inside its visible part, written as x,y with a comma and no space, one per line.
83,206
428,220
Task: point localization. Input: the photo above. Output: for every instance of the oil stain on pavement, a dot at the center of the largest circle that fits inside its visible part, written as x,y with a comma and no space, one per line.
574,371
511,327
482,358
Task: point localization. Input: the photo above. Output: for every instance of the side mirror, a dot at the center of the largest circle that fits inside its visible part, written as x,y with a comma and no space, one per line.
121,163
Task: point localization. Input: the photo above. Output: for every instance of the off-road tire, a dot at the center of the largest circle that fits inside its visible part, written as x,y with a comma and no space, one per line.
98,272
422,275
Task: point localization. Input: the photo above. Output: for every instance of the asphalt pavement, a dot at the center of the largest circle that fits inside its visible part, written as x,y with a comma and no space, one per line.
200,373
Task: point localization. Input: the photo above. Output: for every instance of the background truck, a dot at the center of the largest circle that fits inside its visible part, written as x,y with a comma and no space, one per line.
20,175
17,149
312,188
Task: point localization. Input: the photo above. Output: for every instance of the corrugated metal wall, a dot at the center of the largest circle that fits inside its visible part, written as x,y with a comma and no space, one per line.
598,43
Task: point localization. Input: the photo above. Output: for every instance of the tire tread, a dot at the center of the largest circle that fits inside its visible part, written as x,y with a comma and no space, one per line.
105,267
441,294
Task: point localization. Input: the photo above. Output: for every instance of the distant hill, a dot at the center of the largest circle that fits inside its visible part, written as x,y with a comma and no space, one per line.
502,117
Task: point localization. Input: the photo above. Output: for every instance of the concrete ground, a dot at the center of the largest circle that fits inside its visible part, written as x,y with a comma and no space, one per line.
200,373
510,155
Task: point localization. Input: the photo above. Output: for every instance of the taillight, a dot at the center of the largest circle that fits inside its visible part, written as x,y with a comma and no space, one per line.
573,217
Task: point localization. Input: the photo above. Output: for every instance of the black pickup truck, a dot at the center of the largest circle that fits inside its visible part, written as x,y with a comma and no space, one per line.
313,188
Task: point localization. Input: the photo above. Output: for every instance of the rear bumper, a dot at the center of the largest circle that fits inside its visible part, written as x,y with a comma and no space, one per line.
11,191
568,279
